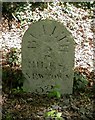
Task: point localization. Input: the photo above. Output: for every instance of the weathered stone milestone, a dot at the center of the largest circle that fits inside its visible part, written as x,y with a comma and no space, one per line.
47,57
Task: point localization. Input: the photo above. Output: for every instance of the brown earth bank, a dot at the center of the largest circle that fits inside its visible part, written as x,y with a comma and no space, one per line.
16,104
41,107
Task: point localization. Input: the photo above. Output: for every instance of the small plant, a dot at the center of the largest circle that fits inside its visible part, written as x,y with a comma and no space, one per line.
8,116
55,92
80,82
12,78
17,90
12,57
54,114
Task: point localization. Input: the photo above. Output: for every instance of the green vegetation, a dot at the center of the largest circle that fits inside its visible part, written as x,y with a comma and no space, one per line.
54,114
8,116
80,82
14,7
11,78
12,57
84,5
55,92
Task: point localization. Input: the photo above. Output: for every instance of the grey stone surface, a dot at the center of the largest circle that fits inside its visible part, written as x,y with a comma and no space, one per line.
48,58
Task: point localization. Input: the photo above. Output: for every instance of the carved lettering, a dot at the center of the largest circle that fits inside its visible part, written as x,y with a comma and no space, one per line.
31,44
62,38
53,30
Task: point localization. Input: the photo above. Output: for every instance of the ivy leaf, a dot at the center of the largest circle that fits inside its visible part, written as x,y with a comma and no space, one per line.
58,95
58,115
51,113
